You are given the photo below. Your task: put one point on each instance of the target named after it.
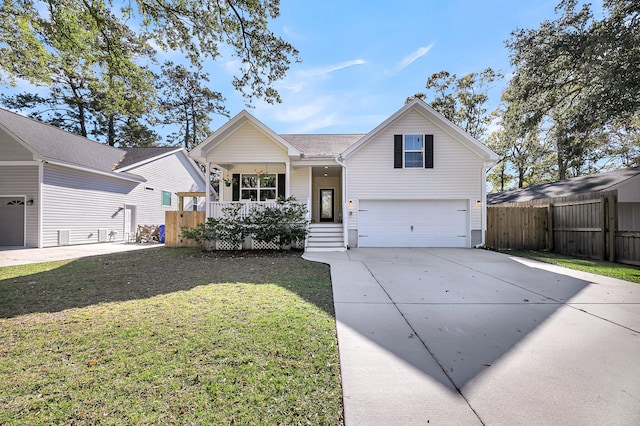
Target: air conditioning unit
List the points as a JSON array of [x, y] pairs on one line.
[[63, 237], [103, 235]]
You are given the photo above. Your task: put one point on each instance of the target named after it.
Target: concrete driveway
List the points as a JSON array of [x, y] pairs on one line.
[[464, 337]]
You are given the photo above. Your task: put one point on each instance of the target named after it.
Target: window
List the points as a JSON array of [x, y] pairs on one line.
[[413, 151], [194, 204], [254, 187], [166, 198]]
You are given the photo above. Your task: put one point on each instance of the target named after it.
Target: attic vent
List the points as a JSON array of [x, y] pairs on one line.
[[63, 237], [103, 235]]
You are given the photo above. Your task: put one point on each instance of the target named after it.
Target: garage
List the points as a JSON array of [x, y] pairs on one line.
[[12, 221], [413, 223]]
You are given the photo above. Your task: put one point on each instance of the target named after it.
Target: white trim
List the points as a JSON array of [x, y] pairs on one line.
[[287, 179], [428, 112], [114, 175], [40, 220], [151, 159], [207, 192], [199, 153]]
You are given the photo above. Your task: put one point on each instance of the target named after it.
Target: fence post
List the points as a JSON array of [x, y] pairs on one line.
[[550, 244], [612, 225], [603, 227]]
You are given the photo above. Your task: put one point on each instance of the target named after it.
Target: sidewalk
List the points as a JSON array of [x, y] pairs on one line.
[[11, 256]]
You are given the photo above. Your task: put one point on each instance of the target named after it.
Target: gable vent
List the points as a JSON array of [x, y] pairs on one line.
[[63, 237]]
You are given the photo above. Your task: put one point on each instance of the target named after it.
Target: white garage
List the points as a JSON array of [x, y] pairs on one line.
[[413, 223]]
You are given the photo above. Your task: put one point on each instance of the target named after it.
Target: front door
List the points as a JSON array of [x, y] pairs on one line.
[[130, 223], [326, 205]]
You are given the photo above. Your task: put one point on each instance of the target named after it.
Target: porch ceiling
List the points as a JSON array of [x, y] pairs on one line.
[[330, 171]]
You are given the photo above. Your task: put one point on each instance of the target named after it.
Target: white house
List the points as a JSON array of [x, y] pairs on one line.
[[416, 180], [57, 188]]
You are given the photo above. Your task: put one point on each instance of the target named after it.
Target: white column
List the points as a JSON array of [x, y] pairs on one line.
[[287, 179], [207, 190]]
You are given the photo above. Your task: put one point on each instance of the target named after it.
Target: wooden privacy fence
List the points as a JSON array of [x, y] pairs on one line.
[[581, 225], [175, 221]]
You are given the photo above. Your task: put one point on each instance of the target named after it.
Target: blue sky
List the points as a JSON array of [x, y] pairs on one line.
[[362, 59]]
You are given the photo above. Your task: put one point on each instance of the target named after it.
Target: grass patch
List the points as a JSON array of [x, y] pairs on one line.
[[164, 336], [600, 267]]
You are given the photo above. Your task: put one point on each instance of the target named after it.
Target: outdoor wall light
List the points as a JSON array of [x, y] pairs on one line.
[[478, 203], [30, 202]]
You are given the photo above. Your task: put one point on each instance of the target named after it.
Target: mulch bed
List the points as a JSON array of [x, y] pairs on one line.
[[248, 254]]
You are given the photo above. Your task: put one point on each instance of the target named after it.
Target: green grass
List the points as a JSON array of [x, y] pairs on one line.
[[600, 267], [164, 336]]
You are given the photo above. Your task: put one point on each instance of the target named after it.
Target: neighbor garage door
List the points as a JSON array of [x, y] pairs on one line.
[[413, 223]]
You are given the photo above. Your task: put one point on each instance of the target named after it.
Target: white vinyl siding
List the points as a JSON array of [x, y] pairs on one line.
[[300, 183], [457, 172], [246, 145], [82, 203], [173, 174], [23, 181]]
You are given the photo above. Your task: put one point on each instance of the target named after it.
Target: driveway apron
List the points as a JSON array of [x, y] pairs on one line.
[[465, 336]]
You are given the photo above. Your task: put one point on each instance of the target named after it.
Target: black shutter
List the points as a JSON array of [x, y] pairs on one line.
[[281, 185], [428, 151], [397, 151], [236, 187]]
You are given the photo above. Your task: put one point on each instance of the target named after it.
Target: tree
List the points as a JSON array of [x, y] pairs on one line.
[[462, 100], [200, 29], [95, 87], [186, 103], [576, 74]]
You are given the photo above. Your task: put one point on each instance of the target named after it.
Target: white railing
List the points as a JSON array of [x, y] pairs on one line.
[[217, 208]]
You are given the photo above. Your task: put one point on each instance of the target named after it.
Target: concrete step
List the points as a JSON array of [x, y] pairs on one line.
[[325, 235]]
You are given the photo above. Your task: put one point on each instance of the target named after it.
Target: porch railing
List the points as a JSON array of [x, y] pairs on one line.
[[216, 207]]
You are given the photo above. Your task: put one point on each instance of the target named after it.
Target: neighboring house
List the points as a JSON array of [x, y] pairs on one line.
[[416, 180], [57, 188], [625, 181]]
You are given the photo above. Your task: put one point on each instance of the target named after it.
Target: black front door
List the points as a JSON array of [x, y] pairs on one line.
[[326, 205]]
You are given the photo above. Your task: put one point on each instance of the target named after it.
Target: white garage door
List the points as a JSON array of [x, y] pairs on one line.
[[413, 223], [12, 221]]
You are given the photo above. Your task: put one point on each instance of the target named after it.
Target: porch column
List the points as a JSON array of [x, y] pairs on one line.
[[287, 179], [207, 191]]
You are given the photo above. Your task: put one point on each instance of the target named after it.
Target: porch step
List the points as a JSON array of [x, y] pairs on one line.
[[325, 237]]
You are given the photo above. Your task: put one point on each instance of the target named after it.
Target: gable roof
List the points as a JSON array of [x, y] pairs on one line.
[[427, 111], [137, 155], [592, 183], [50, 143], [322, 145], [199, 152]]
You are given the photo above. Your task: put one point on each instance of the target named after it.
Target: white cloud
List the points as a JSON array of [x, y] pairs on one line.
[[409, 59], [321, 71]]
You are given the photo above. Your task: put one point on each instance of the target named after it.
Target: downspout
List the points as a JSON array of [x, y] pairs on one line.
[[40, 203], [345, 197]]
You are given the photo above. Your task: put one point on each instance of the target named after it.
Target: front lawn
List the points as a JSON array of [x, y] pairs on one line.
[[600, 267], [167, 336]]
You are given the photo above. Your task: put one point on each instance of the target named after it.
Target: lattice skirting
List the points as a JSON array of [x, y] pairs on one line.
[[227, 246], [261, 245]]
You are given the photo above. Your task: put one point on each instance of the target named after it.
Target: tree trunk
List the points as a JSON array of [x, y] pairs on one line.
[[111, 135]]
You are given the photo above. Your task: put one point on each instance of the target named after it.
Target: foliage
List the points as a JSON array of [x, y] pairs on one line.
[[462, 100], [185, 102], [168, 336], [575, 75], [93, 60], [282, 224]]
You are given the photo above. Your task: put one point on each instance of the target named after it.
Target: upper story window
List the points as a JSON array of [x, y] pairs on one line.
[[413, 151]]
